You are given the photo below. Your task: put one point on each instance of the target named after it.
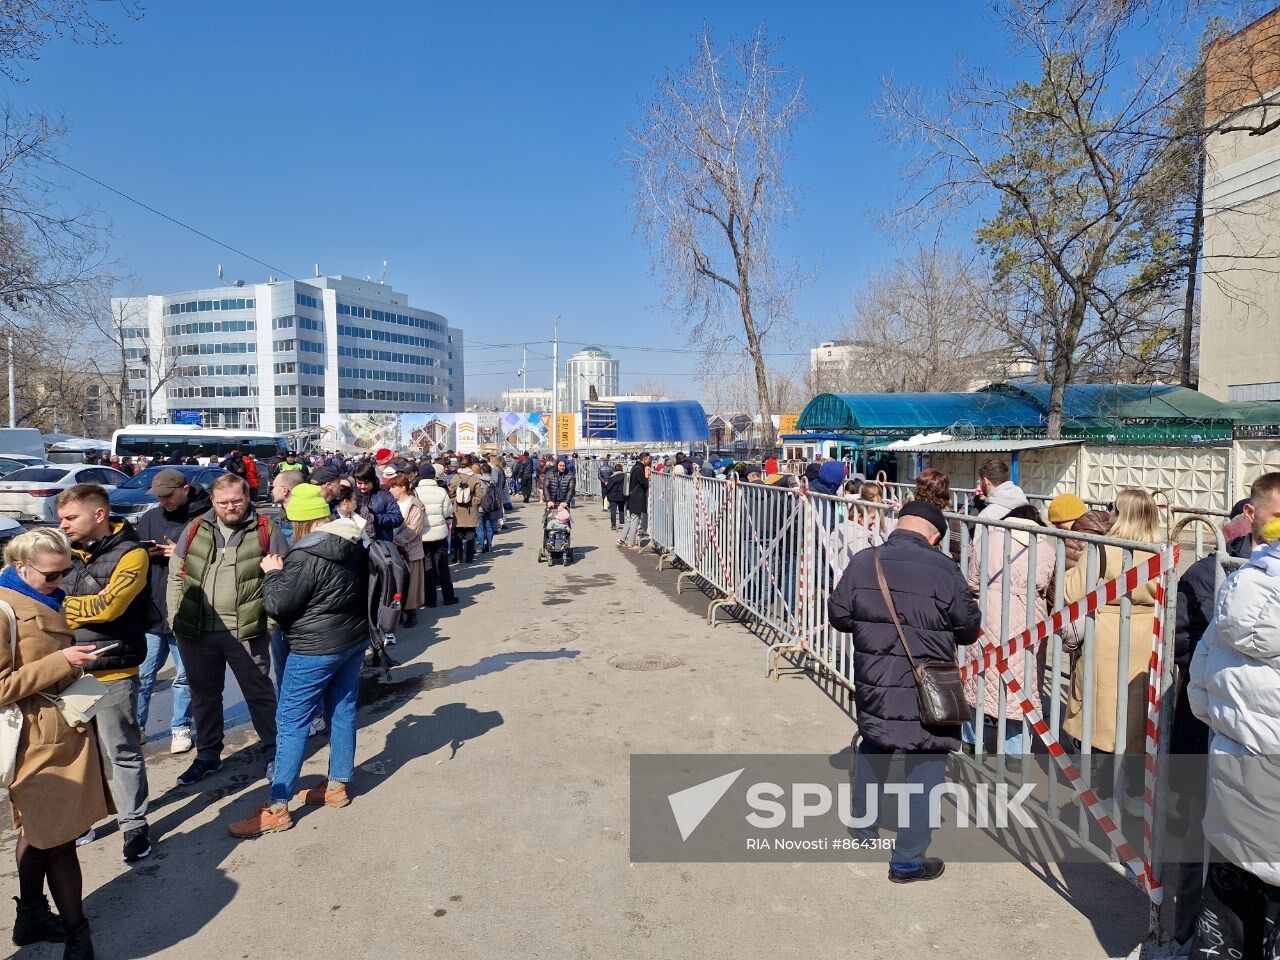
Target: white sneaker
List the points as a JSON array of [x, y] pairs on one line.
[[389, 640], [1135, 807], [271, 769], [88, 836], [317, 726], [181, 741]]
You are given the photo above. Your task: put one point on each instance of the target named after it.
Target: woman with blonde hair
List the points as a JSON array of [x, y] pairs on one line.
[[1137, 518], [58, 790]]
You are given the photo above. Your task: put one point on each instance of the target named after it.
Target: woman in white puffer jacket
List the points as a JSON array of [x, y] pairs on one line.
[[1235, 689], [437, 509]]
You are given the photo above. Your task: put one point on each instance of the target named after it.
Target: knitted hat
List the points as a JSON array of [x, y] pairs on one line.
[[925, 511], [1066, 507], [306, 503]]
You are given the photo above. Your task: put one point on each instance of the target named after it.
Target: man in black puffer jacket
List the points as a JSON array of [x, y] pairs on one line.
[[937, 612], [319, 594]]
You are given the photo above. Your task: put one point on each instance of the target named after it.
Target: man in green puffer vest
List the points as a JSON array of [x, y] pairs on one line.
[[217, 614]]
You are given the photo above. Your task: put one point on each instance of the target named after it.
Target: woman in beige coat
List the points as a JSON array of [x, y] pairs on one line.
[[1137, 518], [408, 537], [1020, 576], [58, 790]]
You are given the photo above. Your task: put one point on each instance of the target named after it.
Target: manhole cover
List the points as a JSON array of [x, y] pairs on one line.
[[650, 661]]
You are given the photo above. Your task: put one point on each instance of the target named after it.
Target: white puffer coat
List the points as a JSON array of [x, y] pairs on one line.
[[438, 509], [1235, 689]]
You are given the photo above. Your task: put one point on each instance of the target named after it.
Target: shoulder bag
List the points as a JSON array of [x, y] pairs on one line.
[[10, 714], [938, 688]]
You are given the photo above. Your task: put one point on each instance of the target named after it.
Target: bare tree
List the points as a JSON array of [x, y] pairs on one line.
[[1071, 160], [26, 26], [927, 322], [706, 157]]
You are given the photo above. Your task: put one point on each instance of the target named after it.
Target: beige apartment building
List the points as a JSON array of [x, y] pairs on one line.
[[1240, 301]]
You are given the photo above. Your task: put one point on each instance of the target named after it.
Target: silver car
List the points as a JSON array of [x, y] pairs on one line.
[[28, 494]]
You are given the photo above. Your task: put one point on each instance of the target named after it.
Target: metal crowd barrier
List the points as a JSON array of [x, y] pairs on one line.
[[1058, 610]]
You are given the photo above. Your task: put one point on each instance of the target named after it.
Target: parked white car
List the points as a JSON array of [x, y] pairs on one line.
[[28, 494]]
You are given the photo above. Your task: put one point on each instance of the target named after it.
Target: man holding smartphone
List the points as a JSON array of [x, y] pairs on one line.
[[109, 603]]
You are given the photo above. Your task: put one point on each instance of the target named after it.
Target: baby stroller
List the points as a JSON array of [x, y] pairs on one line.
[[557, 528]]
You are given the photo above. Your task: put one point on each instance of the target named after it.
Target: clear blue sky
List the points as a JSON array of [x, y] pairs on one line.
[[474, 147]]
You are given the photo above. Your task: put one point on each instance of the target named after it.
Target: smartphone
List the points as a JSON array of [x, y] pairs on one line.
[[149, 544], [105, 648]]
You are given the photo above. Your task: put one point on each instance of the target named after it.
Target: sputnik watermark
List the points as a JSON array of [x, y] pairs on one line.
[[991, 805]]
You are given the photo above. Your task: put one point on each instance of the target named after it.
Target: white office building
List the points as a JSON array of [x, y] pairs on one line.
[[528, 400], [587, 368], [282, 354]]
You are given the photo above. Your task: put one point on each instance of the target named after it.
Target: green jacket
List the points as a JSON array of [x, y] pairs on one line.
[[215, 580]]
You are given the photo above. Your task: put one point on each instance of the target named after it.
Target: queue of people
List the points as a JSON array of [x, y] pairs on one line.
[[92, 610]]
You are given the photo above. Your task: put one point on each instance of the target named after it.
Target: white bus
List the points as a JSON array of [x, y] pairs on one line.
[[168, 440]]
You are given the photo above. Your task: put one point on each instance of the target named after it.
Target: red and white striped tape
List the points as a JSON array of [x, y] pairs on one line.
[[992, 653], [1139, 866]]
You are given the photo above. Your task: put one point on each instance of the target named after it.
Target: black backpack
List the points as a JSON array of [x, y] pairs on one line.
[[492, 499], [388, 583]]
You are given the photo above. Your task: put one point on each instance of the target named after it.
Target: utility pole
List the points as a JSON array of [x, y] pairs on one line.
[[555, 392], [13, 386], [146, 361], [524, 365]]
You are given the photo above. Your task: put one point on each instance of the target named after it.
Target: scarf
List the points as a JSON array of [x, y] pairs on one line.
[[9, 578]]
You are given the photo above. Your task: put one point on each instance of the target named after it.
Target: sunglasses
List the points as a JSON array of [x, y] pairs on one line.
[[50, 576]]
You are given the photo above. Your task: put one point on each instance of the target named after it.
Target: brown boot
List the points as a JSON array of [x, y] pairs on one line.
[[326, 795], [263, 820]]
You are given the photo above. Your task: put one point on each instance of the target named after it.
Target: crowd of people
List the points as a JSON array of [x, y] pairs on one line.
[[284, 598], [905, 601], [94, 609]]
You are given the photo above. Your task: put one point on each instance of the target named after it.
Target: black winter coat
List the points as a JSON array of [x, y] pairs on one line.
[[638, 496], [321, 596], [937, 612], [160, 525], [1196, 593], [615, 488]]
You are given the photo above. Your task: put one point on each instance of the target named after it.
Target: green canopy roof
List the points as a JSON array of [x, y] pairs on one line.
[[906, 413], [1123, 401]]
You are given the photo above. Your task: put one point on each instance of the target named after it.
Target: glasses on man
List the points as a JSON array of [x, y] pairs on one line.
[[229, 504]]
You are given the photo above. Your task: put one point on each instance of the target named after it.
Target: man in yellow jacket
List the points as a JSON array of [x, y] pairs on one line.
[[108, 604]]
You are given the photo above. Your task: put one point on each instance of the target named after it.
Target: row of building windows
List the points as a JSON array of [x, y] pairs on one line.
[[305, 300], [218, 370], [287, 419], [210, 326], [304, 323], [363, 333], [133, 333], [391, 376], [186, 393], [299, 389], [314, 369], [367, 313], [395, 396], [310, 346], [200, 349], [386, 356], [200, 306]]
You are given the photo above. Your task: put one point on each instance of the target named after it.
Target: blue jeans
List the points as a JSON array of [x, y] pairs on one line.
[[1012, 735], [925, 769], [160, 646], [485, 529], [331, 679]]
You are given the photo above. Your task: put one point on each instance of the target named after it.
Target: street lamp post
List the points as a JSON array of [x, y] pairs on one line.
[[146, 361], [13, 386]]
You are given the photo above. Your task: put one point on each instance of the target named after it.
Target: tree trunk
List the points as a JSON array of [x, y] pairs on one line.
[[757, 360], [1193, 266]]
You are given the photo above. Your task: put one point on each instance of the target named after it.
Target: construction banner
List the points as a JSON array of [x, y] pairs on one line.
[[565, 430]]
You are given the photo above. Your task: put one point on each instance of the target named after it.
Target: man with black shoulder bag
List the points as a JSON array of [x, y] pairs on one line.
[[907, 607]]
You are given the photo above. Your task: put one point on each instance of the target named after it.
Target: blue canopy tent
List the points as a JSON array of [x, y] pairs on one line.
[[665, 421]]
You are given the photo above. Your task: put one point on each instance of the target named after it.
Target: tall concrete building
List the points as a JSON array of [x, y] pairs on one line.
[[1240, 298], [280, 355], [528, 400], [590, 367]]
